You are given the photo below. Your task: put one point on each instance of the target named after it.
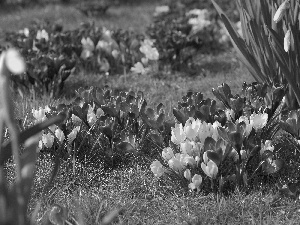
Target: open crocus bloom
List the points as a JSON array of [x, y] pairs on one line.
[[210, 169], [60, 135], [157, 168], [177, 163], [178, 134], [259, 120], [167, 154], [196, 182], [47, 140], [191, 128]]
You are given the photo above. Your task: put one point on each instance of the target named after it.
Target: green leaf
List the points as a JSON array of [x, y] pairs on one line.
[[180, 116], [241, 47], [209, 144], [272, 167], [126, 146], [28, 161], [157, 138]]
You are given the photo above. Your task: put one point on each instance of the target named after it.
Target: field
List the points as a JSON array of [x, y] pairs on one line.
[[89, 192]]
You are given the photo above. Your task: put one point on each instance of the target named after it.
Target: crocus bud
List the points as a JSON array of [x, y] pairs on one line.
[[187, 174], [281, 10], [167, 153], [287, 41]]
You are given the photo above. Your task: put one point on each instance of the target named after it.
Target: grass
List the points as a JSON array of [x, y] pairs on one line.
[[134, 17], [90, 193]]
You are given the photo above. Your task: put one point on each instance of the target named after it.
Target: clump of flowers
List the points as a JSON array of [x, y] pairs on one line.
[[150, 55], [190, 139], [199, 20]]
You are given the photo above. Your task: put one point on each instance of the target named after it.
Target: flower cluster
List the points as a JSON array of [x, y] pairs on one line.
[[190, 139], [199, 20], [149, 52]]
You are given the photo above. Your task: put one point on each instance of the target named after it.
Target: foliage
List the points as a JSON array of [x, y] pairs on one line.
[[269, 44], [182, 30], [52, 54]]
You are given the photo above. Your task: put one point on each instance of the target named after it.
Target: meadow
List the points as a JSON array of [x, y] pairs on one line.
[[88, 192]]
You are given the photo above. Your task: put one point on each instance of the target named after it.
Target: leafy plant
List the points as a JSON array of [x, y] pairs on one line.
[[268, 47]]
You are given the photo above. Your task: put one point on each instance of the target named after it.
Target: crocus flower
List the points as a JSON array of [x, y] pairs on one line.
[[266, 146], [88, 48], [230, 115], [161, 9], [210, 169], [42, 34], [191, 128], [75, 119], [25, 31], [187, 174], [248, 123], [176, 163], [167, 154], [188, 160], [73, 134], [186, 147], [91, 116], [39, 114], [281, 10], [47, 140], [196, 182], [150, 52], [259, 120], [60, 135], [178, 135], [138, 68], [157, 168], [287, 41]]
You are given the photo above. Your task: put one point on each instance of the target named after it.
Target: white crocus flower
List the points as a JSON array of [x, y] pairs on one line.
[[259, 120], [210, 169], [47, 140], [187, 174], [157, 168], [196, 182], [73, 134], [75, 119], [176, 163], [178, 135], [42, 34], [161, 9], [186, 147], [266, 146], [88, 48], [39, 114], [60, 135], [191, 128], [167, 154], [138, 68]]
